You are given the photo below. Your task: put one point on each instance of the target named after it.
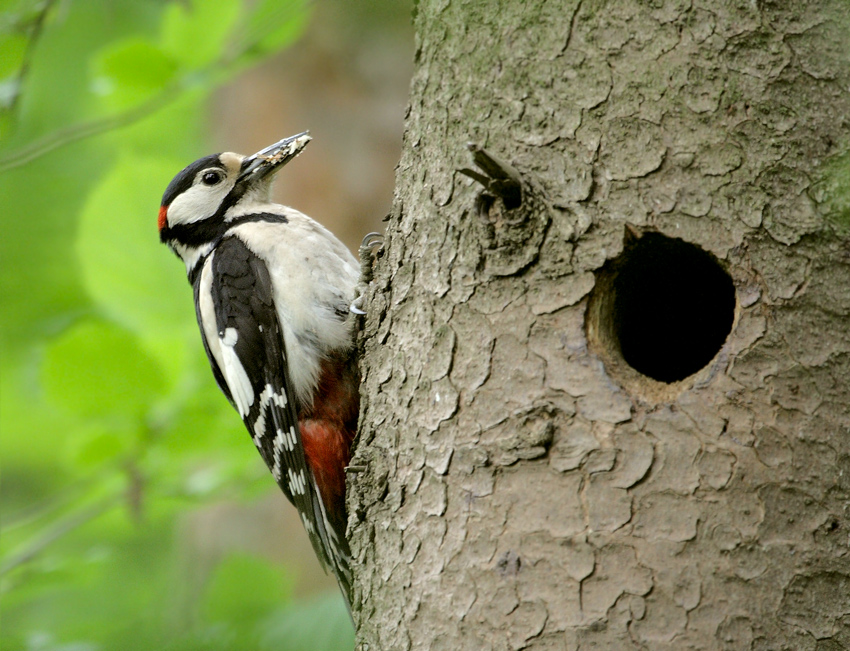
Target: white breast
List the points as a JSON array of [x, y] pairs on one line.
[[314, 277]]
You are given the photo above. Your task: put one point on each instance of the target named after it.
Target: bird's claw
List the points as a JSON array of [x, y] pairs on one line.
[[367, 248], [370, 241]]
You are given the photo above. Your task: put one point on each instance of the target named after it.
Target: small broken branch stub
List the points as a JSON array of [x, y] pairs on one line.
[[499, 179]]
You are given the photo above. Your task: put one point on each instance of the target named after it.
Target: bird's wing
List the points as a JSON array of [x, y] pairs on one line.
[[244, 342]]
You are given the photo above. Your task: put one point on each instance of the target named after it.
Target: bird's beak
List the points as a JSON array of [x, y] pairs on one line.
[[272, 158]]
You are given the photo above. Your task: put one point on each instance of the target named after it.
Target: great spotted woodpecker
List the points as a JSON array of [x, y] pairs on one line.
[[274, 297]]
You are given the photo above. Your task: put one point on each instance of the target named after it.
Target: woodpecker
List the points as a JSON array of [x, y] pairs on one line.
[[274, 298]]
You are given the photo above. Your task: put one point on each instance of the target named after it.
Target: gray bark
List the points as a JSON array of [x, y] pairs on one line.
[[521, 485]]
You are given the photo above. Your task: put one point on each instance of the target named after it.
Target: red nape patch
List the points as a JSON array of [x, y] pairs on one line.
[[163, 217]]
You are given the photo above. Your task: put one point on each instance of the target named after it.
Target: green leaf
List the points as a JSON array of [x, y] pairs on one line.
[[127, 271], [22, 412], [98, 446], [12, 50], [244, 590], [274, 24], [96, 369], [195, 33], [322, 624], [132, 70]]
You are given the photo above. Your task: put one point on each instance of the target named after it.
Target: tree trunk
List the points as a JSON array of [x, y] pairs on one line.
[[614, 416]]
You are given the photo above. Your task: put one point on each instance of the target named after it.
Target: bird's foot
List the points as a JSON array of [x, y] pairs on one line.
[[371, 247]]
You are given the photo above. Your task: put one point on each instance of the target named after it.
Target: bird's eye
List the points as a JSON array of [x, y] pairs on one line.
[[211, 178]]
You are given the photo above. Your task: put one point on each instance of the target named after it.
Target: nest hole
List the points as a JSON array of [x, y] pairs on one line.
[[664, 306]]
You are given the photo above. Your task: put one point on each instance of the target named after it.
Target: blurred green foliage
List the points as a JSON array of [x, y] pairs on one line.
[[110, 424]]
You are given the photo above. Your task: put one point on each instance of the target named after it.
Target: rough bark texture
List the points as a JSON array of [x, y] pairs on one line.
[[520, 485]]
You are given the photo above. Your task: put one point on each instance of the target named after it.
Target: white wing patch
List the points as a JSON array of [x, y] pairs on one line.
[[267, 397], [277, 444], [282, 440], [285, 440], [234, 373], [307, 524], [221, 347], [231, 336], [297, 482]]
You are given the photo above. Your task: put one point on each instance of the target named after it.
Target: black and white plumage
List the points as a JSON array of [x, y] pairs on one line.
[[272, 293]]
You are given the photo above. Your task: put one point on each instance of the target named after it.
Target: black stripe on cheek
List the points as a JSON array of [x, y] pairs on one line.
[[205, 231], [194, 234]]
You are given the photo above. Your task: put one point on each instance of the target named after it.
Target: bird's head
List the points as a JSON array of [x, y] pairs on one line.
[[204, 198]]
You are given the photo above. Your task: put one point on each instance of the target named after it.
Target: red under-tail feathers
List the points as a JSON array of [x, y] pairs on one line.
[[328, 428]]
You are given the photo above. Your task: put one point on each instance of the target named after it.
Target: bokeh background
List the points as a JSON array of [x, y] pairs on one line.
[[134, 511]]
